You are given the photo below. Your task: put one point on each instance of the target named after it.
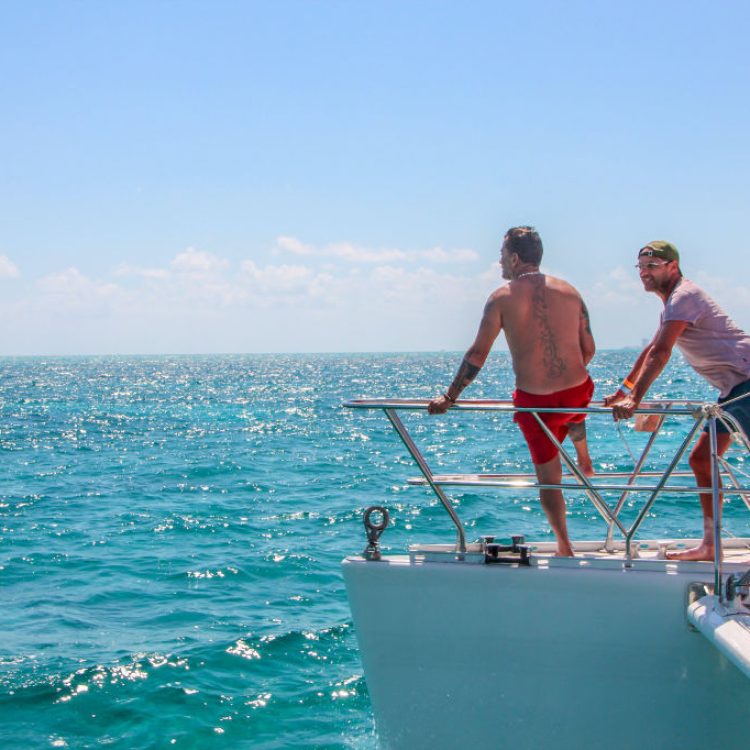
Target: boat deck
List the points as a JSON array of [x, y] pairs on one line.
[[736, 554]]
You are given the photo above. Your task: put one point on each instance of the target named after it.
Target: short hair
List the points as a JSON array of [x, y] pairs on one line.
[[526, 243]]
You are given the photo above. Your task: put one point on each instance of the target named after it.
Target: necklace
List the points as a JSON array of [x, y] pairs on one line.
[[529, 273]]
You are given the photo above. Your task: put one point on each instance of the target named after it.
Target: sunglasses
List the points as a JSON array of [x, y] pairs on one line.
[[651, 265]]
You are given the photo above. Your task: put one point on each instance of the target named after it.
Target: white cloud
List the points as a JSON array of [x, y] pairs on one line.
[[460, 255], [197, 262], [71, 291], [125, 269], [72, 282], [410, 299], [293, 246], [8, 269], [618, 286], [190, 262], [287, 284], [352, 253], [622, 313], [282, 277]]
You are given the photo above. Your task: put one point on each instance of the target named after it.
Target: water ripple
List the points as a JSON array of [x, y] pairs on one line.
[[171, 530]]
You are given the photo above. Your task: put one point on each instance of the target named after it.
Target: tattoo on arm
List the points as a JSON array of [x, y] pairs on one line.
[[587, 320], [466, 373]]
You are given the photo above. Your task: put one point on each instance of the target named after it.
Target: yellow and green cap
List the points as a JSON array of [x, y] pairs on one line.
[[660, 249]]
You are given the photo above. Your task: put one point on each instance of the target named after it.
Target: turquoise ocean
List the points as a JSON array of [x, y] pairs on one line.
[[171, 532]]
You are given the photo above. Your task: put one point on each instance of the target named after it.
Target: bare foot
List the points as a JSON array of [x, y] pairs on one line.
[[702, 552], [564, 551]]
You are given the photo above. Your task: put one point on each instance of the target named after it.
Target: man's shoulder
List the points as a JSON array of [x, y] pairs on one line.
[[688, 302], [686, 286], [687, 289], [562, 285], [500, 292]]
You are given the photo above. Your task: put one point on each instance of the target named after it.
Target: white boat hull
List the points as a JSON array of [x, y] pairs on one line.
[[725, 627], [566, 653]]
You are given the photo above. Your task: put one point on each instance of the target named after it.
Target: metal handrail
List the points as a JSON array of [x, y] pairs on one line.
[[674, 407], [485, 480], [701, 413]]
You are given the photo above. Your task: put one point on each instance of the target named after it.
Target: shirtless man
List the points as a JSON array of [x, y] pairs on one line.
[[547, 328], [712, 344]]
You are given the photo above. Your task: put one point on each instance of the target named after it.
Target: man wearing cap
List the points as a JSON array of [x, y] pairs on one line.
[[714, 346], [547, 328]]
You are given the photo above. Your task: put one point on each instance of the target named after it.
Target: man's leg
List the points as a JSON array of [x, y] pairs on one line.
[[700, 463], [577, 432], [553, 504]]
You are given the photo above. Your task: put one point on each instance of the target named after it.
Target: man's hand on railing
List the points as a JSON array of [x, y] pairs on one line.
[[614, 398], [439, 405], [623, 405]]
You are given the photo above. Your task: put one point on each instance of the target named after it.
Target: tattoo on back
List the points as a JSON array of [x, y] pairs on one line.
[[554, 364], [466, 373]]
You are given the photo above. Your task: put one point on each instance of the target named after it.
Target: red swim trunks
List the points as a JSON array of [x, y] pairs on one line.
[[540, 446]]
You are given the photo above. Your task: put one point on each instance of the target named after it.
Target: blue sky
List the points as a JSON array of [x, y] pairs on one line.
[[337, 176]]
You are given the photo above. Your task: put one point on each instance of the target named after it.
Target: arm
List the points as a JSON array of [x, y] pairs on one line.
[[652, 361], [475, 357], [588, 347], [620, 394]]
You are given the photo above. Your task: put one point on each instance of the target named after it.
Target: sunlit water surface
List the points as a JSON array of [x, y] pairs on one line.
[[171, 531]]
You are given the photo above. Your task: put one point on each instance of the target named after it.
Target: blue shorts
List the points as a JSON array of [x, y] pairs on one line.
[[740, 410]]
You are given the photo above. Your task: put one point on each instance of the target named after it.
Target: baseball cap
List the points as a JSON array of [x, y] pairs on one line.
[[660, 249]]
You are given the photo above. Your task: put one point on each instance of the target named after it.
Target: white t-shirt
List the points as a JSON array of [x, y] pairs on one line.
[[712, 343]]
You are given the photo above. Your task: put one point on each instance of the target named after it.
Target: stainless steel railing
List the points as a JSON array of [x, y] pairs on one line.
[[700, 414]]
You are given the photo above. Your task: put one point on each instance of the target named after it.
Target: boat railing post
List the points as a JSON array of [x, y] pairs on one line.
[[596, 499], [716, 501], [608, 542], [729, 471], [416, 454], [738, 435], [699, 420]]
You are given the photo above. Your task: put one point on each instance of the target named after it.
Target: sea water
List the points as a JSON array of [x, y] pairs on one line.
[[171, 532]]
